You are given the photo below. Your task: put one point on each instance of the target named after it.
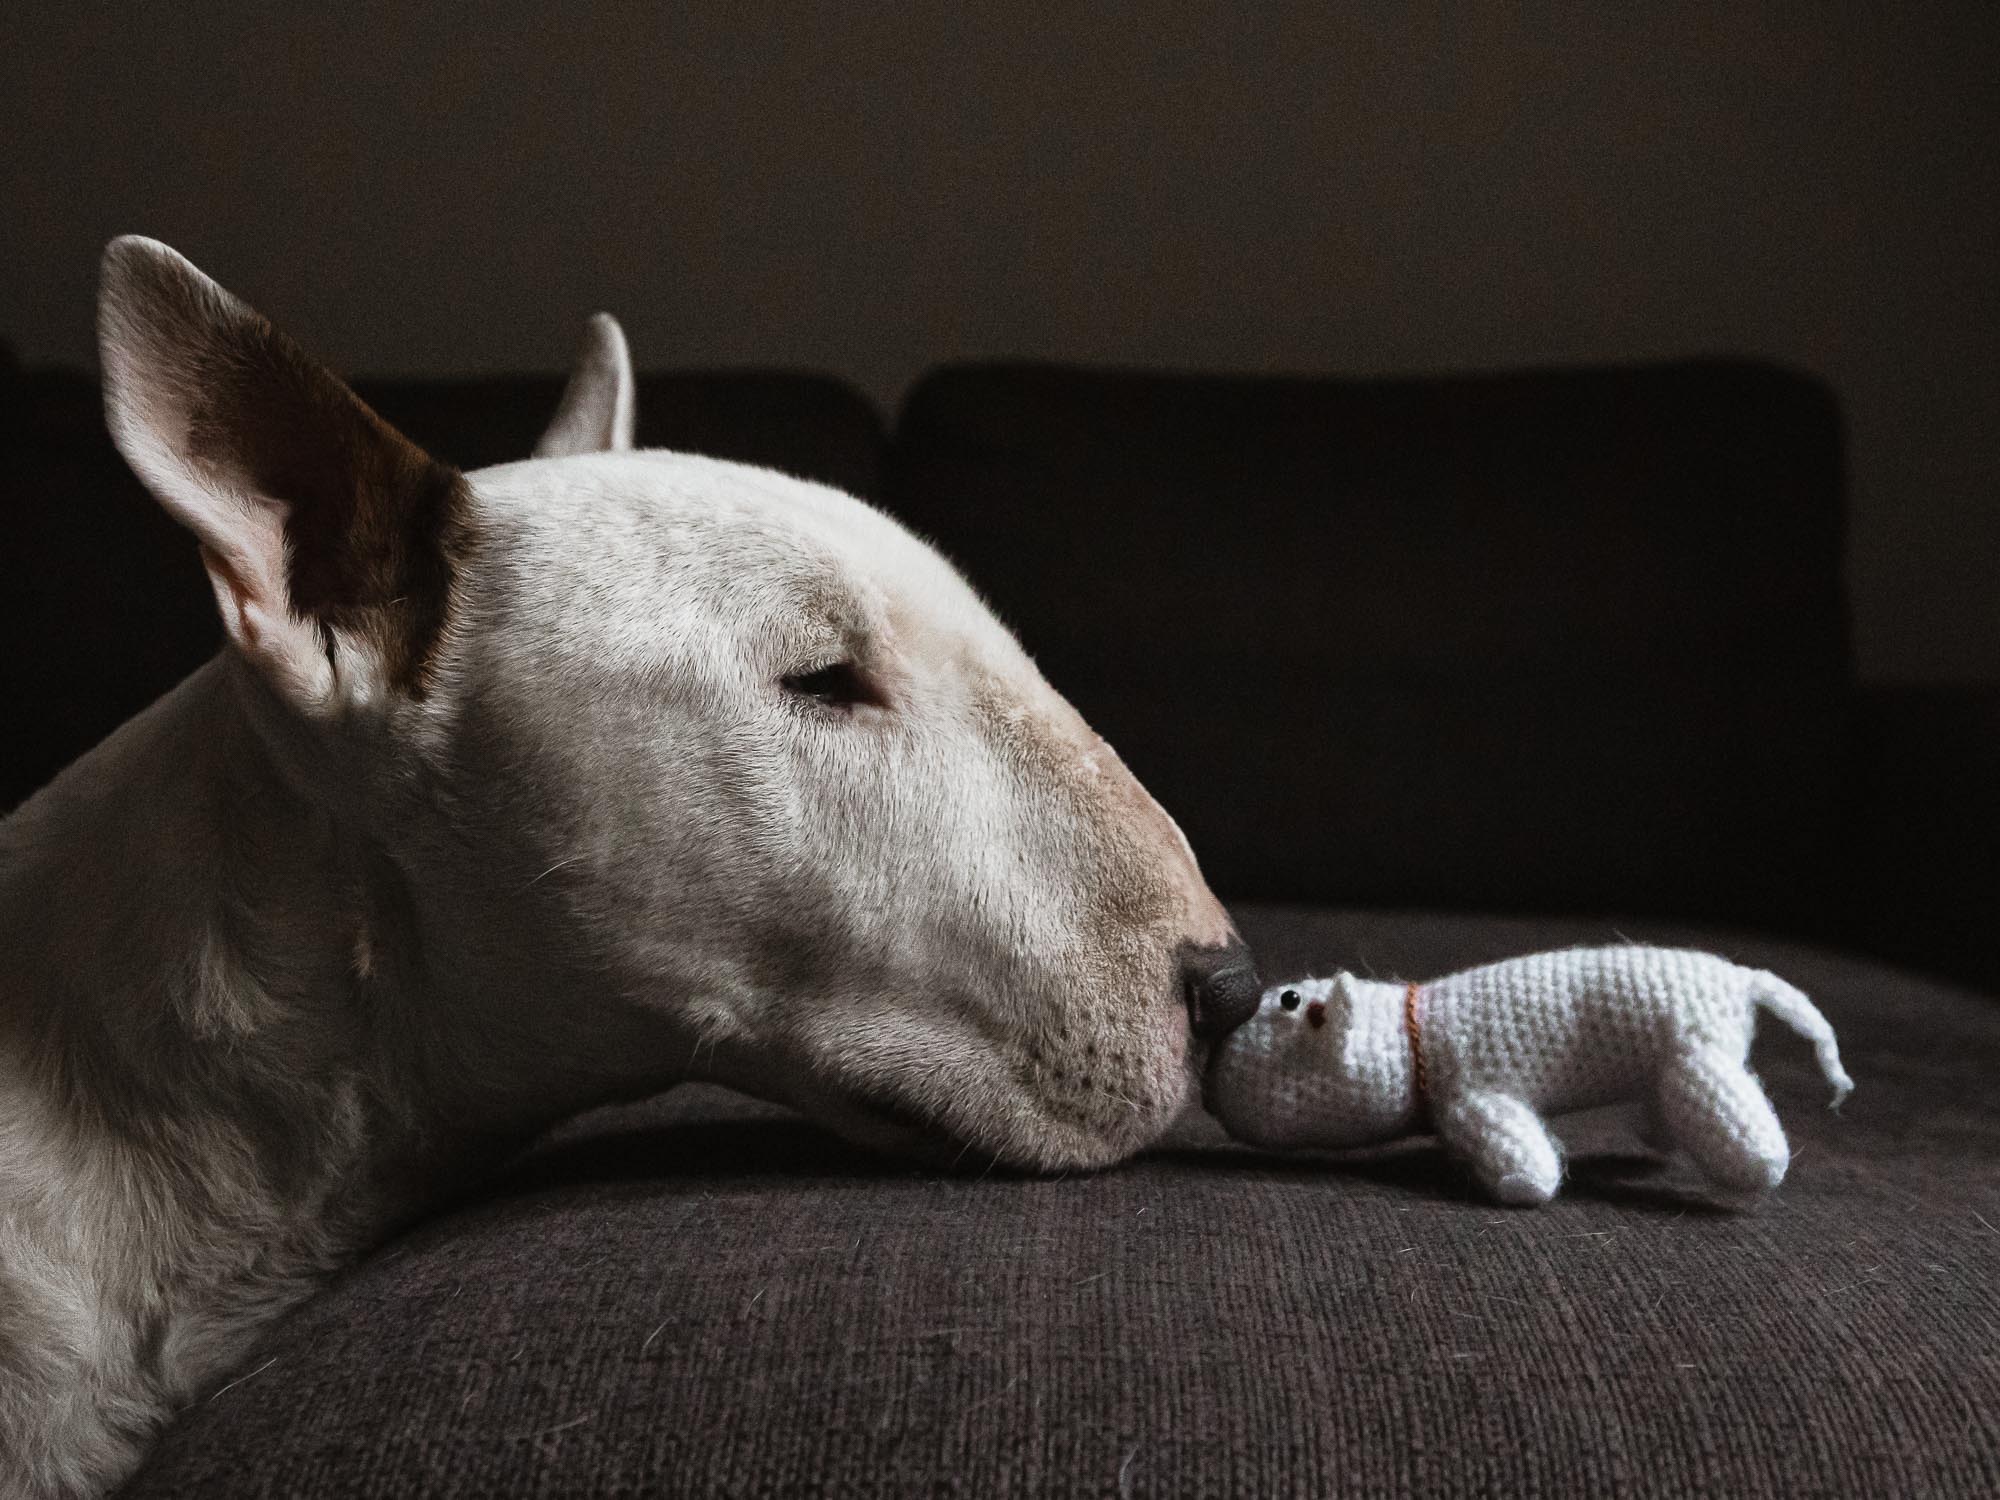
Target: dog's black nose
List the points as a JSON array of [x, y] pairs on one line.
[[1222, 988]]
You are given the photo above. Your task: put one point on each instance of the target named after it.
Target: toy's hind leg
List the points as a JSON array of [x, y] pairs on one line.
[[1718, 1114], [1509, 1147]]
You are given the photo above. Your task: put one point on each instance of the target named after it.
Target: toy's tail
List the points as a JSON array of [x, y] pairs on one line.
[[1792, 1007]]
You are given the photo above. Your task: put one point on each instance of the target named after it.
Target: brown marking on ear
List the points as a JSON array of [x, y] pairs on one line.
[[374, 525]]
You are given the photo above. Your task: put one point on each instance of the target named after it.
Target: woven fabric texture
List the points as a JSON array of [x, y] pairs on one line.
[[702, 1296]]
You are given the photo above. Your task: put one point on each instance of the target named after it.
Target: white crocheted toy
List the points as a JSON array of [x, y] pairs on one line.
[[1481, 1055]]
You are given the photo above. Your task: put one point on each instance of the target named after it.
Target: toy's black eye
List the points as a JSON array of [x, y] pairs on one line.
[[1289, 999], [838, 684]]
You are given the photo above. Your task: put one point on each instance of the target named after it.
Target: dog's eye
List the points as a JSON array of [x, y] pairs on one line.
[[838, 684]]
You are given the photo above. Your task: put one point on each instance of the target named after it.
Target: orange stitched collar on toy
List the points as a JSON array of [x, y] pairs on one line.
[[1418, 1072]]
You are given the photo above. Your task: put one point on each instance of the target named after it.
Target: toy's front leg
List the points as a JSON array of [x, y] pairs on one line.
[[1511, 1151]]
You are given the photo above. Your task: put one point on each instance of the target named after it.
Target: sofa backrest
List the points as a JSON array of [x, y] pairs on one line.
[[1556, 642], [1550, 642]]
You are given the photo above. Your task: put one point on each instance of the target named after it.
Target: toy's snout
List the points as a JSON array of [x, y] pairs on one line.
[[1288, 999]]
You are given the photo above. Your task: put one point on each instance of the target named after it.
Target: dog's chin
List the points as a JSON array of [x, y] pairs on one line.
[[1038, 1140], [895, 1129], [956, 1108]]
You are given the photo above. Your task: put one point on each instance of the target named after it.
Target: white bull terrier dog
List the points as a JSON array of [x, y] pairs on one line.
[[511, 793], [1481, 1055]]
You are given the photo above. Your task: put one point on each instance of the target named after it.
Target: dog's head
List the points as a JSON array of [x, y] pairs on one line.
[[645, 766]]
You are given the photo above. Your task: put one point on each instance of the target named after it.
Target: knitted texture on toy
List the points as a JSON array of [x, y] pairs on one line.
[[1332, 1062]]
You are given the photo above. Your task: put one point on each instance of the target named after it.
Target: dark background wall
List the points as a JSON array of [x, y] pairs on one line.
[[874, 188]]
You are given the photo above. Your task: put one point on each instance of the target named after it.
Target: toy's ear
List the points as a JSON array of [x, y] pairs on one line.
[[1340, 996], [599, 405], [327, 535]]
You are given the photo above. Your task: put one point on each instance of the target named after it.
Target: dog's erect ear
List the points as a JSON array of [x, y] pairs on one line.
[[327, 535], [598, 405]]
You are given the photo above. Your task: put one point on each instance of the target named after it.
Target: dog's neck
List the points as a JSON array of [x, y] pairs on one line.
[[209, 1020]]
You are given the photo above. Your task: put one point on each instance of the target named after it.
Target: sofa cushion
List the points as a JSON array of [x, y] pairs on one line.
[[702, 1296], [1928, 845], [114, 609], [1546, 642]]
